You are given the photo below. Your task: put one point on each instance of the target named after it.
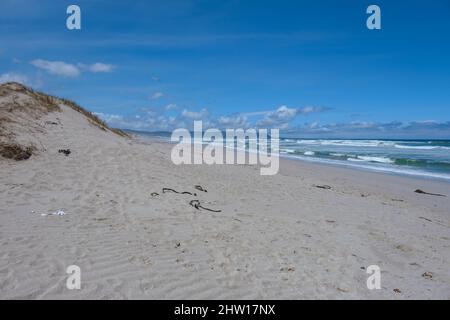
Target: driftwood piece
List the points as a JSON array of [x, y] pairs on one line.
[[326, 187], [428, 193], [164, 190], [65, 151], [196, 204], [200, 188]]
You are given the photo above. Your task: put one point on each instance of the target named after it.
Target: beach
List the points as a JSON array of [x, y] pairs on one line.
[[308, 232], [216, 156]]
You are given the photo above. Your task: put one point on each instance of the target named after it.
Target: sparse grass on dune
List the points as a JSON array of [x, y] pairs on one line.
[[45, 103], [49, 103], [23, 107], [92, 117]]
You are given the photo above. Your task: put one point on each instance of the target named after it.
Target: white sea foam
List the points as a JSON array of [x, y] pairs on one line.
[[308, 142], [401, 146], [337, 154], [287, 150], [355, 160], [309, 153], [360, 164], [375, 159], [348, 143]]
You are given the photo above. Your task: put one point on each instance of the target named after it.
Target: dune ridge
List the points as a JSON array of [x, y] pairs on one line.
[[22, 108]]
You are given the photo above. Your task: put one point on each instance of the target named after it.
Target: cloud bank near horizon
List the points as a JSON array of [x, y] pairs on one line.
[[281, 118]]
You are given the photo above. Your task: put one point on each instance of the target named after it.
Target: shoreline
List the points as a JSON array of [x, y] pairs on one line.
[[427, 176], [364, 177], [417, 175]]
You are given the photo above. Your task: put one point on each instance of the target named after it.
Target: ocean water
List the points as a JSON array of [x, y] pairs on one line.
[[422, 158], [426, 158]]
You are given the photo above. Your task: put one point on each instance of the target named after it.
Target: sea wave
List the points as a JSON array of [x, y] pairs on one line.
[[387, 168], [418, 145], [401, 146], [334, 154], [375, 159], [348, 143]]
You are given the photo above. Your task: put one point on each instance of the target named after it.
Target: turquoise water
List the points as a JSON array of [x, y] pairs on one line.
[[428, 158]]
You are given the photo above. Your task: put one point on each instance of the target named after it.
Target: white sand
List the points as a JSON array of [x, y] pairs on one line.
[[277, 237]]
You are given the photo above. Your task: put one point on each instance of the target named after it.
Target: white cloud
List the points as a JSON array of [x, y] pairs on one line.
[[154, 120], [283, 115], [59, 68], [194, 115], [14, 77], [368, 129], [101, 67], [171, 106], [233, 121], [151, 119], [311, 109], [64, 69], [279, 118], [161, 120], [146, 122], [97, 67], [157, 95]]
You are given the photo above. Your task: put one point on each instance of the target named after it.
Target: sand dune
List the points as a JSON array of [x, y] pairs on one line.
[[276, 237]]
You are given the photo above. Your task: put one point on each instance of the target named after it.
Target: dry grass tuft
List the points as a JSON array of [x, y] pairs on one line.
[[46, 103], [49, 102], [93, 118], [15, 151], [120, 132]]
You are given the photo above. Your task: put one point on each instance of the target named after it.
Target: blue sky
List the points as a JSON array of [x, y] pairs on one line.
[[311, 68]]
